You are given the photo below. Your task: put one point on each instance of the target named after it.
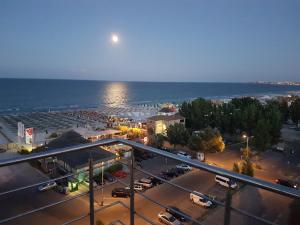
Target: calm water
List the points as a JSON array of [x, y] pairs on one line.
[[23, 95]]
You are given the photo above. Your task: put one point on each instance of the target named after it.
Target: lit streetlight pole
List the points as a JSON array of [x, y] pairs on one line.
[[247, 144], [102, 197]]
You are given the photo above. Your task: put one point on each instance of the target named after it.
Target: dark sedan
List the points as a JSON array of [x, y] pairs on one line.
[[177, 213]]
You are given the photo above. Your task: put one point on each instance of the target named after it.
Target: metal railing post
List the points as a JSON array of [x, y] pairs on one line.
[[132, 210], [227, 210], [91, 192]]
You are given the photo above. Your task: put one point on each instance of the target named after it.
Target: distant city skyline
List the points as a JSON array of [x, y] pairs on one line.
[[170, 41]]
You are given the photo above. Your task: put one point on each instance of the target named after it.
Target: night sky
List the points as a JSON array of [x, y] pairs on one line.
[[159, 40]]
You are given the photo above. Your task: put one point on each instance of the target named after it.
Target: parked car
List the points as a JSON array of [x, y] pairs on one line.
[[180, 171], [98, 180], [286, 183], [136, 187], [200, 199], [169, 174], [63, 189], [120, 174], [47, 186], [175, 171], [163, 176], [87, 182], [184, 155], [120, 192], [168, 218], [184, 166], [144, 182], [155, 181], [174, 212], [226, 182], [109, 177]]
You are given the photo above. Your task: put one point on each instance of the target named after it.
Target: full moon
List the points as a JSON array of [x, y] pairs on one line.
[[115, 38]]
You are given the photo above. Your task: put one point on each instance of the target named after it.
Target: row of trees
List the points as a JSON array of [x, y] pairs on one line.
[[207, 140], [239, 115]]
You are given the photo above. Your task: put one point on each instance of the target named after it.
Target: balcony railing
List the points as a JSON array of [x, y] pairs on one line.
[[228, 208]]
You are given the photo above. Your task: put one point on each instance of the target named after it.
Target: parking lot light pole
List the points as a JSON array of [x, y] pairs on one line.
[[91, 191], [102, 195], [132, 210]]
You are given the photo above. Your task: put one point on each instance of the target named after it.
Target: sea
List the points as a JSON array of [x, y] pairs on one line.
[[38, 95]]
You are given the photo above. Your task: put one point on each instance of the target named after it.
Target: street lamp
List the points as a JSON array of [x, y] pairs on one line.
[[247, 144], [102, 197]]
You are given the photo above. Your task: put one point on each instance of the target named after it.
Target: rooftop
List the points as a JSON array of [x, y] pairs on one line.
[[166, 117]]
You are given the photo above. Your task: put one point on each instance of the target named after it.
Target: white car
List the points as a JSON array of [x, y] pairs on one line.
[[144, 182], [136, 187], [47, 186], [200, 199], [86, 182], [167, 218], [184, 167], [184, 155]]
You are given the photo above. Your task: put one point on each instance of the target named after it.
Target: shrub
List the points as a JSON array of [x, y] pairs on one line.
[[236, 168], [114, 168]]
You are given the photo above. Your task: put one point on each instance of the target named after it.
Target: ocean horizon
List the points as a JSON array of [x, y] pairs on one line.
[[38, 95]]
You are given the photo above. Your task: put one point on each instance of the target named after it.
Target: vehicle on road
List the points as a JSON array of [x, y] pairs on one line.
[[120, 192], [136, 187], [177, 213], [144, 182], [109, 177], [286, 183], [167, 218], [184, 166], [226, 182], [47, 186], [184, 155], [200, 199]]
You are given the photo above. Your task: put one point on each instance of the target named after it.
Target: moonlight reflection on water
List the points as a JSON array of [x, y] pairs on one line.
[[116, 94]]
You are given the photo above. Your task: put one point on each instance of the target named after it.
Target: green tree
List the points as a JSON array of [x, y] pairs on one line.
[[211, 140], [295, 110], [247, 168], [197, 113], [194, 142], [177, 134], [262, 138], [156, 140], [236, 168]]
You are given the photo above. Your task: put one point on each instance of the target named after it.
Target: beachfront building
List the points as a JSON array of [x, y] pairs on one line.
[[160, 123], [77, 162], [95, 135]]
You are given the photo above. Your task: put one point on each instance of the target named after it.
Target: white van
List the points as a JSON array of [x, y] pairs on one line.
[[202, 201], [226, 182]]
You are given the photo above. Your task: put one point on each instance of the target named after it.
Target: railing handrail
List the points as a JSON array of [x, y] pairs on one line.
[[194, 163]]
